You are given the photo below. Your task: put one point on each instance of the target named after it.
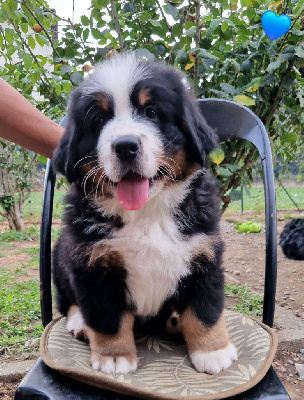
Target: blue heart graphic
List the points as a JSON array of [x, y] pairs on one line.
[[275, 26]]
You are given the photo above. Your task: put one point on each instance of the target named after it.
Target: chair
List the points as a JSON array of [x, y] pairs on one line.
[[232, 121]]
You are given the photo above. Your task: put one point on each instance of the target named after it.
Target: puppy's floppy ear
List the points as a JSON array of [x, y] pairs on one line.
[[202, 137], [65, 153]]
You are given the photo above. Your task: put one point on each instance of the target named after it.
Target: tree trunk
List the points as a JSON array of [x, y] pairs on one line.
[[14, 218]]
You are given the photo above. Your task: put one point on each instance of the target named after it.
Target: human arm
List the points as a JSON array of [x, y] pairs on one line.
[[23, 124]]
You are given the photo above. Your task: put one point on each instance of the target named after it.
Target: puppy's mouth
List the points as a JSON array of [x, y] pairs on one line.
[[132, 191]]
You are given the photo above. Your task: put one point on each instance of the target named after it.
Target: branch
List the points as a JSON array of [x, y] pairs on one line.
[[117, 26], [68, 21], [197, 36], [24, 44], [165, 20], [42, 27], [301, 11], [277, 98]]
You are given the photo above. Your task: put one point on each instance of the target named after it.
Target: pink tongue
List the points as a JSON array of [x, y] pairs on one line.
[[132, 192]]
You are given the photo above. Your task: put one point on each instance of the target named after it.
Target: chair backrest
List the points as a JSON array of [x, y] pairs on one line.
[[231, 121]]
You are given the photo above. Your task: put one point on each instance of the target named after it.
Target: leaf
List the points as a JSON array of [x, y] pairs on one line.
[[32, 42], [96, 33], [247, 66], [85, 20], [289, 138], [66, 68], [227, 88], [224, 26], [42, 159], [223, 172], [24, 27], [273, 66], [76, 78], [191, 31], [205, 54], [27, 60], [58, 89], [253, 85], [300, 51], [85, 34], [235, 195], [267, 80], [217, 156], [173, 11], [287, 53], [145, 53], [244, 100], [129, 7], [215, 23], [188, 66], [154, 23]]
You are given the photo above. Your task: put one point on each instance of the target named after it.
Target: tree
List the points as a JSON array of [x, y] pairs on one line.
[[17, 168], [220, 45]]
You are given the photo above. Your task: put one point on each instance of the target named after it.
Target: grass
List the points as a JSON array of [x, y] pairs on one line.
[[33, 205], [255, 201], [246, 302], [19, 313]]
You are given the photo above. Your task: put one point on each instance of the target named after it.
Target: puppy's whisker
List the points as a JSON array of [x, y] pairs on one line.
[[168, 168], [102, 177], [169, 158], [86, 177], [84, 159], [170, 142]]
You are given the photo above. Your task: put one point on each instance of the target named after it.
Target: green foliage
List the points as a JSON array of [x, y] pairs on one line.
[[247, 303], [220, 46], [31, 233], [19, 312], [247, 227]]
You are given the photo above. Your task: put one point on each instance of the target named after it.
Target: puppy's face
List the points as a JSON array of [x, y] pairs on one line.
[[132, 129]]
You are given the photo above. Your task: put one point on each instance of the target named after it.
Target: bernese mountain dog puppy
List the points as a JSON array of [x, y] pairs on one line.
[[292, 239], [141, 226]]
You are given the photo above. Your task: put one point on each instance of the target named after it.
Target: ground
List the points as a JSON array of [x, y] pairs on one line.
[[244, 263]]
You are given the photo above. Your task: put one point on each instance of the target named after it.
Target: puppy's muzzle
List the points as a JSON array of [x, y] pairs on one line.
[[126, 148]]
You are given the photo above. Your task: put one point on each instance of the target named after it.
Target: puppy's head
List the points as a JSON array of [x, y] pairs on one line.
[[132, 126]]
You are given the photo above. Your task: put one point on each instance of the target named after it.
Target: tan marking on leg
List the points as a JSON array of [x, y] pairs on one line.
[[72, 310], [144, 96], [114, 353], [201, 338]]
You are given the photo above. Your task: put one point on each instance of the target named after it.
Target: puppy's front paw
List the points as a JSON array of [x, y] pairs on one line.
[[75, 323], [214, 362], [111, 365]]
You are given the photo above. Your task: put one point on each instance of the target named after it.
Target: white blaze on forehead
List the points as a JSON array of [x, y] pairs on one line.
[[117, 77]]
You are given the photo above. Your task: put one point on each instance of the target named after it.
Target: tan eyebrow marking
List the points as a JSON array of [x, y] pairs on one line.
[[144, 96]]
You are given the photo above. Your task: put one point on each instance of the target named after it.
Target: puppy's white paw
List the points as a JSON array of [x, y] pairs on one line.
[[112, 365], [214, 362], [76, 325]]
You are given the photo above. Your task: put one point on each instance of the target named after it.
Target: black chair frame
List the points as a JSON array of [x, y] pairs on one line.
[[232, 121]]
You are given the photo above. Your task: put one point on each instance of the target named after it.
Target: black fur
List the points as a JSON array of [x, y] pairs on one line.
[[292, 239], [100, 291]]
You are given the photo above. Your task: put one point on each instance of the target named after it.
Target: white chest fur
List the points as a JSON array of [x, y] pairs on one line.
[[155, 257], [154, 252]]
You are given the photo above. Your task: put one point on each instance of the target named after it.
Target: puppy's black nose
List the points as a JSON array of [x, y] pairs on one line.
[[126, 148]]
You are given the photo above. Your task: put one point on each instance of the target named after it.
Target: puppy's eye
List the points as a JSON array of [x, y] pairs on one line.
[[151, 112]]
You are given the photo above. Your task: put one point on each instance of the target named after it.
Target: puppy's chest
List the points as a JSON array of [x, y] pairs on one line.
[[155, 257]]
